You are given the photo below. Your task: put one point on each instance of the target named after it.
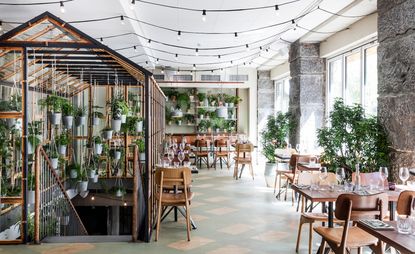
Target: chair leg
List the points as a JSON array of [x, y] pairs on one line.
[[322, 247], [275, 183], [300, 226], [235, 171], [228, 163], [252, 170], [286, 190], [207, 159], [310, 239], [188, 221], [158, 219], [220, 160]]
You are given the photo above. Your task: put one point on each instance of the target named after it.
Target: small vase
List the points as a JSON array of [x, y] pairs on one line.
[[67, 121], [142, 156], [98, 149], [55, 118], [116, 124], [91, 174], [95, 121], [95, 179], [117, 155]]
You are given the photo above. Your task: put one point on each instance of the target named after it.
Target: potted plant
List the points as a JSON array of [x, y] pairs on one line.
[[212, 100], [168, 115], [183, 101], [80, 116], [97, 145], [107, 133], [67, 112], [91, 170], [134, 124], [35, 129], [272, 137], [31, 188], [179, 121], [203, 125], [227, 99], [82, 180], [119, 109], [201, 112], [62, 141], [189, 119], [53, 104], [115, 153], [202, 99], [73, 169], [54, 159], [120, 191], [235, 101], [141, 145], [218, 124], [33, 142], [97, 115]]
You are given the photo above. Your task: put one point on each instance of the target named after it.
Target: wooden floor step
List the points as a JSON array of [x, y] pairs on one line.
[[87, 239]]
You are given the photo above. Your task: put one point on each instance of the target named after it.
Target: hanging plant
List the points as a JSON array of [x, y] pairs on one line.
[[97, 145], [106, 133], [134, 124], [141, 145], [97, 115], [68, 112], [72, 170], [119, 110], [201, 97], [116, 153], [62, 141], [183, 101], [53, 104], [82, 179], [80, 116]]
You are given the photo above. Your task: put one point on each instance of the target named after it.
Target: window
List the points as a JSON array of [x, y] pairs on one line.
[[353, 77], [282, 95]]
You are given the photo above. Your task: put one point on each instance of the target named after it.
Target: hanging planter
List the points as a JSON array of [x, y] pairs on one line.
[[62, 141], [80, 116], [123, 118], [10, 122], [62, 150], [95, 179], [116, 124], [73, 174], [139, 126], [119, 110], [68, 112], [142, 156], [82, 186], [91, 174], [98, 149], [107, 133], [97, 116], [54, 162], [119, 192], [96, 121], [55, 118], [80, 121], [67, 121], [116, 154], [222, 112], [34, 141], [82, 178], [64, 220], [53, 104]]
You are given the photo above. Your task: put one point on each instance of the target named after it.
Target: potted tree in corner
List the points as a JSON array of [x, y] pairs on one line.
[[273, 137], [68, 112]]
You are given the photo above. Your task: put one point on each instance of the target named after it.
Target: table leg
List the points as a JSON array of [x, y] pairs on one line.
[[330, 215], [392, 210], [191, 220]]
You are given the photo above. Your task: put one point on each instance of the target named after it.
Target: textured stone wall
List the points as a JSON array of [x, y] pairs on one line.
[[307, 92], [396, 77], [265, 98]]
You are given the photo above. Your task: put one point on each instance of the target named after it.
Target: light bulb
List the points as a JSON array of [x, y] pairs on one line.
[[197, 52], [194, 66], [277, 10], [148, 42], [132, 4], [125, 203], [135, 48], [62, 7], [122, 20], [157, 61], [204, 15], [162, 71], [146, 63], [179, 33], [219, 56], [247, 47], [176, 57], [93, 198], [178, 71], [1, 25], [236, 34]]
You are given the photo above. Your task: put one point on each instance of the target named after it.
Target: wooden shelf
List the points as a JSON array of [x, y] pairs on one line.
[[11, 200], [10, 115]]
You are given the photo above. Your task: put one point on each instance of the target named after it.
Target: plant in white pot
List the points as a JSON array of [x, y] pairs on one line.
[[33, 142], [31, 188], [80, 116], [54, 158], [115, 153], [106, 133], [141, 145], [98, 146], [73, 169], [53, 103], [97, 115], [62, 142], [273, 137], [82, 178], [68, 113], [119, 110]]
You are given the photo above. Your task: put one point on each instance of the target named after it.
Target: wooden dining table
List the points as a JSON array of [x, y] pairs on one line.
[[405, 244], [327, 196]]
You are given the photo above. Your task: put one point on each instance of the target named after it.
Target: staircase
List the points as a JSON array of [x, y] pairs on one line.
[[54, 213]]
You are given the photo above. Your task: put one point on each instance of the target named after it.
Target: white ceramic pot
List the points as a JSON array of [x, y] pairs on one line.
[[118, 193], [123, 118], [30, 149], [57, 172], [117, 155], [80, 120], [31, 197], [142, 156], [95, 179], [179, 122], [192, 98], [62, 150], [116, 125], [231, 105], [54, 162], [95, 121], [73, 174], [201, 117], [98, 149], [139, 126], [269, 174], [64, 220], [67, 121], [226, 104], [107, 134], [91, 174], [55, 118], [82, 186], [222, 112]]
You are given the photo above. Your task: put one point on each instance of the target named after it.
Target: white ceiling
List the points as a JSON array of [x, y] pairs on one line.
[[183, 20]]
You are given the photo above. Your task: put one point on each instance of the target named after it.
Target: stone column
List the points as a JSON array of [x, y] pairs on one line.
[[307, 92], [265, 99], [396, 78]]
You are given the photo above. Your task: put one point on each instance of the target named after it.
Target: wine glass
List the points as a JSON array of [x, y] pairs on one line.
[[170, 156], [384, 174], [297, 147], [180, 156], [403, 174], [340, 175], [181, 146], [323, 174]]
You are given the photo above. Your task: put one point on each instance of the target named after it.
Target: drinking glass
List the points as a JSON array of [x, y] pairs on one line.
[[323, 174], [176, 164], [403, 174], [404, 224], [170, 156], [340, 175], [297, 147], [289, 147], [384, 174], [181, 146], [312, 160], [180, 156]]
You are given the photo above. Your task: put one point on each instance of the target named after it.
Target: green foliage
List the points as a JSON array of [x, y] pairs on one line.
[[14, 104], [183, 101], [80, 111], [230, 125], [353, 138], [131, 123], [227, 98], [167, 114], [97, 139], [52, 103], [236, 99], [274, 134], [118, 106], [141, 145], [98, 114], [189, 118], [201, 96], [201, 111], [67, 108], [35, 128], [170, 93], [73, 166], [218, 123], [204, 125], [212, 98], [62, 139]]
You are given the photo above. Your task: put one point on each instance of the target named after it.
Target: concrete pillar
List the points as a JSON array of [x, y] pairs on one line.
[[307, 92], [396, 78], [265, 99]]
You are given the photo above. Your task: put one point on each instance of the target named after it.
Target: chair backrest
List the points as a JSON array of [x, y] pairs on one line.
[[357, 207], [373, 178], [221, 143], [295, 159], [404, 202], [244, 148], [201, 143], [179, 177]]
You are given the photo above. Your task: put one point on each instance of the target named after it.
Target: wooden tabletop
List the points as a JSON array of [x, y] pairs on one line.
[[331, 196], [304, 166], [404, 243]]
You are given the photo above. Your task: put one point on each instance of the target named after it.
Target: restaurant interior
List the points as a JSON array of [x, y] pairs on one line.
[[268, 126]]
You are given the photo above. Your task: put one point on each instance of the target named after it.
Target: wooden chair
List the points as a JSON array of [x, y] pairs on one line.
[[279, 173], [202, 152], [349, 208], [292, 176], [180, 180], [221, 152], [243, 157], [305, 178], [404, 202]]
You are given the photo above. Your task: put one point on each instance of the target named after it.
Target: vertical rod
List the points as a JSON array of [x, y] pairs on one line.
[[37, 196], [25, 143], [147, 172], [136, 175]]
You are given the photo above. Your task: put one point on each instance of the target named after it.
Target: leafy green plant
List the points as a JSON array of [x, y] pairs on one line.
[[189, 118], [230, 125], [52, 103], [212, 98], [141, 145], [227, 98], [62, 139], [274, 134], [35, 128], [82, 174], [15, 103], [353, 138], [67, 108], [201, 96], [236, 99], [80, 111], [97, 113], [97, 139], [73, 166], [118, 106], [171, 93], [131, 123], [204, 125], [201, 111], [218, 123], [183, 101]]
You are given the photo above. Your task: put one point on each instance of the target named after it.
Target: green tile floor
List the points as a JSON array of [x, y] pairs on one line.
[[233, 216]]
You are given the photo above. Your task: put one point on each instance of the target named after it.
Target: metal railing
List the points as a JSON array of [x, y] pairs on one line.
[[55, 214]]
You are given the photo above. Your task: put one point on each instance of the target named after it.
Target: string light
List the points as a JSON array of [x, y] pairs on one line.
[[148, 42], [194, 66], [125, 203], [135, 48], [162, 71], [219, 56], [197, 52], [277, 10], [179, 33], [176, 57], [62, 7], [247, 47], [132, 4], [204, 15], [1, 25], [236, 34], [122, 20], [101, 39], [157, 61], [93, 198], [146, 63], [260, 47], [178, 71]]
